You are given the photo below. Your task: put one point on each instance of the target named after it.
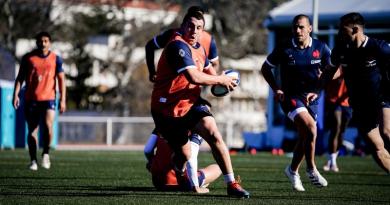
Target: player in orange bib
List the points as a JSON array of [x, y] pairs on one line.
[[40, 69], [158, 154], [160, 41], [338, 115], [183, 67]]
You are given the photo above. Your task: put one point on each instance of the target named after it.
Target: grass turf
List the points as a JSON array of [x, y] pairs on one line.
[[120, 177]]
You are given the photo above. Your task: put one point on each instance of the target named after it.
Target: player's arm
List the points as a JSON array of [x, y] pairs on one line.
[[19, 82], [157, 42], [266, 70], [210, 69], [61, 84], [180, 58], [330, 69], [213, 55], [200, 78], [149, 55], [385, 50]]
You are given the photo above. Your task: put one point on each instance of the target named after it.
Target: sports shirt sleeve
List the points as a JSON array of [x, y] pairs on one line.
[[335, 57], [23, 69], [325, 58], [179, 56], [59, 68], [213, 52], [161, 40], [273, 59]]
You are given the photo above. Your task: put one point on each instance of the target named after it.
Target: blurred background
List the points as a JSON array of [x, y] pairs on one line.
[[102, 45]]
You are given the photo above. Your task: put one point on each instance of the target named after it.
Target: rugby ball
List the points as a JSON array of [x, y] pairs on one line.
[[220, 90]]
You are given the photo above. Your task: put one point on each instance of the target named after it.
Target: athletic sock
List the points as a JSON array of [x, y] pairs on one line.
[[229, 178], [192, 165], [333, 158]]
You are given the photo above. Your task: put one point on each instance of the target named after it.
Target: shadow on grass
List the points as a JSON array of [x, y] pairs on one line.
[[96, 191]]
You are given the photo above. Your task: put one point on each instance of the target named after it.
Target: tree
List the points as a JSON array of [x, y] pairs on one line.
[[23, 19], [237, 25]]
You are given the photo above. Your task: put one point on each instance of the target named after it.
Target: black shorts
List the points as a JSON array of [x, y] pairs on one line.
[[176, 130], [366, 116], [33, 110]]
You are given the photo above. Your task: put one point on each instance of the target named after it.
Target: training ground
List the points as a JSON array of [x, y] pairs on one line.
[[120, 177]]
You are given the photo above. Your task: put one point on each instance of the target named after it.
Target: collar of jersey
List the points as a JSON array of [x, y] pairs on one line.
[[363, 45], [295, 45], [42, 55]]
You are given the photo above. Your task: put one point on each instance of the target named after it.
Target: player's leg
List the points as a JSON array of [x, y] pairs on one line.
[[209, 174], [384, 125], [47, 132], [346, 116], [207, 128], [192, 165], [175, 131], [32, 119], [380, 154], [307, 128], [334, 139], [367, 119], [292, 107], [149, 148]]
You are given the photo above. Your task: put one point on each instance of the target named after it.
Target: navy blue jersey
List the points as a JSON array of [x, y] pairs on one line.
[[299, 68], [365, 70]]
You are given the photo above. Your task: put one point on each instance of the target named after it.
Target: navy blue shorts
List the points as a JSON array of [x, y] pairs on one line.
[[38, 108], [367, 113], [331, 107], [291, 106], [176, 130]]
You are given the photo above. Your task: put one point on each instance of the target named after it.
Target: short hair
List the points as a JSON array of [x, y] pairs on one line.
[[195, 9], [301, 16], [190, 15], [352, 18], [42, 34]]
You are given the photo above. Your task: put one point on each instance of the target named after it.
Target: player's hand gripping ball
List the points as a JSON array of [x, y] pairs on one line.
[[220, 90]]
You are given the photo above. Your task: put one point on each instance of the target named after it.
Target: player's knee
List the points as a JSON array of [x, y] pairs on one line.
[[386, 132], [311, 130]]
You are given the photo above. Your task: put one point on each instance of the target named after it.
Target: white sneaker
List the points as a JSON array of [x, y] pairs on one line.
[[333, 168], [327, 166], [33, 165], [294, 178], [316, 178], [46, 161]]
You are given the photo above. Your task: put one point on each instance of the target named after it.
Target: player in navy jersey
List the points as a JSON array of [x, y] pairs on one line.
[[300, 62], [365, 64]]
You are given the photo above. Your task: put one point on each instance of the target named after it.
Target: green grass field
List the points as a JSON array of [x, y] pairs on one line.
[[119, 177]]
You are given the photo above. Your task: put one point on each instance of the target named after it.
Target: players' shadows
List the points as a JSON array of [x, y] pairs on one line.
[[94, 191]]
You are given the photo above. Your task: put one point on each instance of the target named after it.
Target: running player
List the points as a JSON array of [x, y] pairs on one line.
[[182, 68], [40, 69], [300, 61], [365, 64], [338, 114]]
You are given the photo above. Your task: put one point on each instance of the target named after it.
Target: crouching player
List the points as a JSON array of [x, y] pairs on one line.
[[159, 163]]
